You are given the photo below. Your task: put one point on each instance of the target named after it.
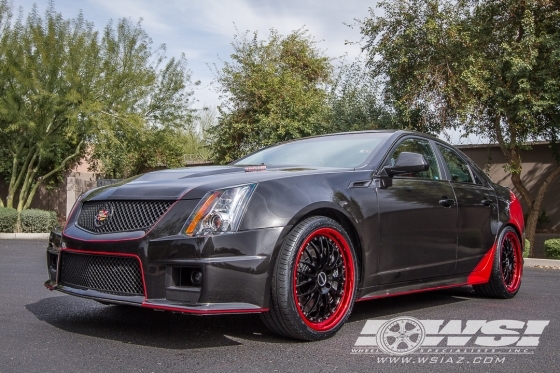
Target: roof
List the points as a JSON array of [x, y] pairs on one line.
[[473, 146]]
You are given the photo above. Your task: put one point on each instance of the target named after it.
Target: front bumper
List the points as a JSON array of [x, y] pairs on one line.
[[234, 267]]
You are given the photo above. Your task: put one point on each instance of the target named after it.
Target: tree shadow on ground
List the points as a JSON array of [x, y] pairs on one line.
[[145, 327]]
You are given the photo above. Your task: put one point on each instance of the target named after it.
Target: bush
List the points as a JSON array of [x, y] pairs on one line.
[[8, 219], [552, 248], [37, 221], [526, 249]]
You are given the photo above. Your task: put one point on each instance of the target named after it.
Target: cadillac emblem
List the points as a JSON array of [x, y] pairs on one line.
[[103, 216]]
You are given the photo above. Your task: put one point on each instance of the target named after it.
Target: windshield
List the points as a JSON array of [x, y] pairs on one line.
[[342, 151]]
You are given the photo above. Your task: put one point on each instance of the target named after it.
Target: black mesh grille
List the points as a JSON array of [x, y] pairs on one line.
[[121, 216], [106, 274]]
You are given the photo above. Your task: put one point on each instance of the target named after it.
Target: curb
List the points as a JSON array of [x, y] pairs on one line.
[[24, 236], [532, 262]]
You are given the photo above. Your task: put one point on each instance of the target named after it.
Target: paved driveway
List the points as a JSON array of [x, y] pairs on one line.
[[42, 331]]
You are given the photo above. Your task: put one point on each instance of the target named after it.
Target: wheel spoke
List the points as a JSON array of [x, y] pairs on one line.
[[307, 302], [315, 306], [317, 253], [390, 333], [416, 330], [312, 290], [306, 274], [305, 283], [310, 265], [308, 253], [402, 326]]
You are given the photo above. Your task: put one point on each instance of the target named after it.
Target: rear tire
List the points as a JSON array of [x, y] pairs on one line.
[[314, 282], [507, 267]]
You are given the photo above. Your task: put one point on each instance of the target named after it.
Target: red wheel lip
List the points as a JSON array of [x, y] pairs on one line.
[[349, 280], [516, 281]]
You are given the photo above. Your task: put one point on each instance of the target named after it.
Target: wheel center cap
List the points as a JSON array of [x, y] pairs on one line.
[[321, 279]]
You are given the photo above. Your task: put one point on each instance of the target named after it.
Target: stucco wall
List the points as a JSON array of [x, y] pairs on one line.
[[536, 163], [56, 198]]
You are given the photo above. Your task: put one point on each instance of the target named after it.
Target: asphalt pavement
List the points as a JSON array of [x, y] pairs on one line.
[[43, 331]]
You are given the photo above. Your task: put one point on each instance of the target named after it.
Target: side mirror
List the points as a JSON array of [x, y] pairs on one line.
[[407, 162]]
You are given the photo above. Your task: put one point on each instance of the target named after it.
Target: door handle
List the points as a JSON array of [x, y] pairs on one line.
[[446, 202], [487, 202]]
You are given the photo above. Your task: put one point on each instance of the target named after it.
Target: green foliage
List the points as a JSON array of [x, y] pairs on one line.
[[274, 90], [552, 248], [68, 91], [527, 249], [489, 66], [354, 101], [8, 219], [37, 221], [543, 219]]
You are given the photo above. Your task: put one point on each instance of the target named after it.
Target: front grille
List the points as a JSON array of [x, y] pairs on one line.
[[121, 216], [107, 274]]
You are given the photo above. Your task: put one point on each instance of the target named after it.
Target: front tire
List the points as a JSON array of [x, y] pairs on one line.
[[507, 267], [314, 282]]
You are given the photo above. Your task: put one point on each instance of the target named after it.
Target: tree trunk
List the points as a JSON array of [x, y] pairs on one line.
[[30, 173], [41, 179], [17, 177], [513, 155]]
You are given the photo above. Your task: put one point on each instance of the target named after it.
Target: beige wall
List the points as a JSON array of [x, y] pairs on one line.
[[536, 163], [59, 197]]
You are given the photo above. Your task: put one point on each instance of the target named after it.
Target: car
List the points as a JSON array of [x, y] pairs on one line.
[[298, 232]]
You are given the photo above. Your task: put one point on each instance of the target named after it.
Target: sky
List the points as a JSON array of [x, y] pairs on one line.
[[204, 29]]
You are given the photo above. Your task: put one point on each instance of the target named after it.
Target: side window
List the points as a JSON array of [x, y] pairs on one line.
[[477, 178], [458, 168], [417, 146]]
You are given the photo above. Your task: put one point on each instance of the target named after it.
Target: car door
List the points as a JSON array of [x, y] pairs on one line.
[[477, 208], [418, 220]]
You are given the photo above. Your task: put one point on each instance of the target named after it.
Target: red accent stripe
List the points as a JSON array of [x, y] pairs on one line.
[[516, 213], [202, 312], [410, 292], [162, 307], [481, 273], [483, 270], [76, 251]]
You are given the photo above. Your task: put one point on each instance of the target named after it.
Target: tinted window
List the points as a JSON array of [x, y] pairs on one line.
[[421, 147], [477, 178], [458, 168], [346, 151]]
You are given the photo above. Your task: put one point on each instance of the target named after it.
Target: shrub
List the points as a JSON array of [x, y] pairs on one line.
[[552, 248], [526, 249], [37, 221], [8, 219]]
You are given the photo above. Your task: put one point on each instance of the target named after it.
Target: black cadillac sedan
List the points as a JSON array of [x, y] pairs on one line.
[[297, 232]]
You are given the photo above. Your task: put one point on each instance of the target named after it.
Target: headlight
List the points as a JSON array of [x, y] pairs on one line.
[[219, 211]]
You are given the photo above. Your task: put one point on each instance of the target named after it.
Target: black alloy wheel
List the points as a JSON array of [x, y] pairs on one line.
[[507, 267], [314, 282]]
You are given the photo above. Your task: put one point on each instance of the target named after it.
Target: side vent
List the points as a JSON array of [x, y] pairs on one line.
[[360, 184]]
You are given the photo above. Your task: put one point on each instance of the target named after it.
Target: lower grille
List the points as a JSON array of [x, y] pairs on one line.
[[107, 274]]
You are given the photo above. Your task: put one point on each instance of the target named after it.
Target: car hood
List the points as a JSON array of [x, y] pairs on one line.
[[194, 182]]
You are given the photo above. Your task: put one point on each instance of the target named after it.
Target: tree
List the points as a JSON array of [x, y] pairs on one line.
[[65, 91], [274, 90], [354, 101], [489, 66]]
